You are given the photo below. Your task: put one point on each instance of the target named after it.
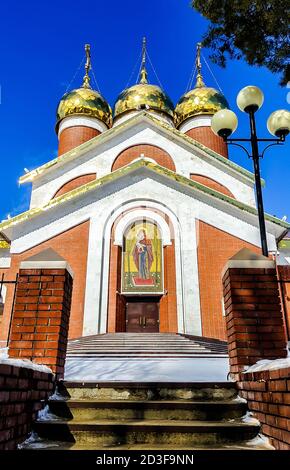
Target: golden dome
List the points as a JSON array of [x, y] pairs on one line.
[[143, 96], [87, 102], [200, 100], [84, 100]]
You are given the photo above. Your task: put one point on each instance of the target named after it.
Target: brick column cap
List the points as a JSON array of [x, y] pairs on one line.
[[246, 258], [46, 259]]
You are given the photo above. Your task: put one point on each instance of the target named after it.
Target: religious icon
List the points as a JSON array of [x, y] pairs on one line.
[[142, 259]]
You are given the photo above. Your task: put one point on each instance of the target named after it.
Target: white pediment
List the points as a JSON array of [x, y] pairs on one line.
[[98, 155], [140, 182]]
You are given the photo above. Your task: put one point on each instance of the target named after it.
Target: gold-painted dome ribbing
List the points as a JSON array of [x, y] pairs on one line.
[[84, 100], [200, 100], [143, 96], [87, 102]]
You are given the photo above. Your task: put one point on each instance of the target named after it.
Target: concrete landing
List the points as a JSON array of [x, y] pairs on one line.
[[199, 369]]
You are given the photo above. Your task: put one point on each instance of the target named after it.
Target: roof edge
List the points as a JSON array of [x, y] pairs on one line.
[[37, 172], [24, 216]]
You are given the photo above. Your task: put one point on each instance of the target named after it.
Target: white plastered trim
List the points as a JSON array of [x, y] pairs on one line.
[[238, 263], [196, 121], [96, 295], [73, 121], [5, 261], [3, 292], [138, 214], [46, 265], [120, 119]]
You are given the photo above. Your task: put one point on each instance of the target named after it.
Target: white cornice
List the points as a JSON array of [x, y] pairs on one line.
[[128, 175], [74, 121], [147, 120]]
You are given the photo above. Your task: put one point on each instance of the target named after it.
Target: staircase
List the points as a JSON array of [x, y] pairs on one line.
[[143, 345], [140, 416]]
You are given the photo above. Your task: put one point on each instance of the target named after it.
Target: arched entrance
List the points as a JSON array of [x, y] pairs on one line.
[[142, 287], [142, 276]]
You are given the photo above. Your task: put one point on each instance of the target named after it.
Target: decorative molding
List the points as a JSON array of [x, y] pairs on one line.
[[73, 121], [139, 214], [196, 121]]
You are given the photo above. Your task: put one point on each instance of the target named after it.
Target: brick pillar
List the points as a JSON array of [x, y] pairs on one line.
[[254, 319], [40, 320]]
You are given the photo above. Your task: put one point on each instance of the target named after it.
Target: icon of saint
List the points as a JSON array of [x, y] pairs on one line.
[[143, 255]]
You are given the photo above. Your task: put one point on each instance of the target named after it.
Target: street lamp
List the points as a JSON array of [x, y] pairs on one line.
[[225, 122]]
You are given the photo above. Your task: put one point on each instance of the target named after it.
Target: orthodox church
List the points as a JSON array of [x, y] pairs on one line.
[[144, 206]]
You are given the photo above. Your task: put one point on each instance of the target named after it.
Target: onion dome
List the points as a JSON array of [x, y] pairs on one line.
[[200, 100], [84, 101], [144, 96]]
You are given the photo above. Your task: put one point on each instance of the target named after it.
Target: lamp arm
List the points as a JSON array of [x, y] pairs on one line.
[[238, 145], [278, 142]]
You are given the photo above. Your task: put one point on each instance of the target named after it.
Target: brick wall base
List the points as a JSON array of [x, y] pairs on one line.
[[254, 319], [268, 396], [23, 393]]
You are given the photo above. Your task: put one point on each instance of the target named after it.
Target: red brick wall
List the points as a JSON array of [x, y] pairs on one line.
[[75, 183], [205, 136], [22, 392], [150, 151], [255, 331], [215, 247], [72, 245], [71, 137], [254, 320], [40, 318], [211, 184], [268, 397]]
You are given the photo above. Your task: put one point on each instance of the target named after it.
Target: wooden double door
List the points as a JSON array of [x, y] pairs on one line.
[[142, 315]]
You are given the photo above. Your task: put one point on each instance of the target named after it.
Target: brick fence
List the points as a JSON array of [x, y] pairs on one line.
[[268, 395], [40, 318], [23, 393], [256, 331]]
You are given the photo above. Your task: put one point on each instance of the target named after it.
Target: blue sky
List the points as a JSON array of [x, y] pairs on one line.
[[41, 47]]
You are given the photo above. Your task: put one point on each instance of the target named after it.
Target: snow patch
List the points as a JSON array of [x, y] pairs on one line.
[[4, 353], [250, 419], [47, 415], [36, 442], [267, 364], [58, 395], [24, 363], [239, 399], [260, 441]]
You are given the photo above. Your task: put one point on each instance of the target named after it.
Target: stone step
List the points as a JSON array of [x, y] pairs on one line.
[[136, 343], [110, 432], [161, 345], [142, 353], [139, 345], [141, 356], [45, 444], [148, 409], [222, 391]]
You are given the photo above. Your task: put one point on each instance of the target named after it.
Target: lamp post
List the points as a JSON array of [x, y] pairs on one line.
[[225, 122]]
